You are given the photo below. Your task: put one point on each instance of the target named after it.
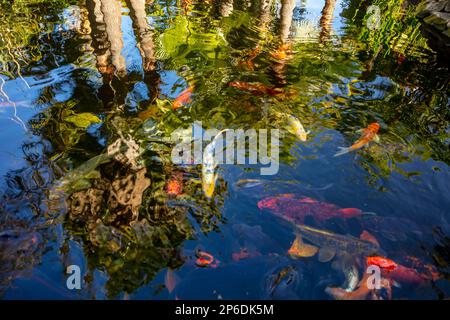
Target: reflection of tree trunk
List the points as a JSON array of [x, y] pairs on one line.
[[226, 8], [144, 35], [264, 14], [326, 20], [100, 43], [112, 17], [287, 10], [286, 13]]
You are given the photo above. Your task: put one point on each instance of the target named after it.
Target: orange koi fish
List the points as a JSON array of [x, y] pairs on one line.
[[256, 88], [383, 263], [401, 273], [183, 98], [205, 259], [368, 134], [175, 184]]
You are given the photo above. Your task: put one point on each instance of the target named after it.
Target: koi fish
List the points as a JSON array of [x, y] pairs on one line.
[[282, 283], [295, 208], [368, 134], [401, 273], [175, 184], [183, 98], [295, 127], [404, 274], [383, 263], [209, 176], [331, 244], [351, 278], [361, 293], [328, 244], [205, 259], [256, 88]]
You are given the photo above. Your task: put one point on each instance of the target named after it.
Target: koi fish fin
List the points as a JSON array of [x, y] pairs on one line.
[[376, 138], [171, 280], [342, 151], [326, 254], [301, 249], [366, 236]]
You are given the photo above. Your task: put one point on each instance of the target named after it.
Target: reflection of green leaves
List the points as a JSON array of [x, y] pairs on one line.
[[398, 30], [83, 120], [186, 39]]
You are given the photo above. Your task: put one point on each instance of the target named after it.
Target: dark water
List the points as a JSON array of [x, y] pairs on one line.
[[82, 78]]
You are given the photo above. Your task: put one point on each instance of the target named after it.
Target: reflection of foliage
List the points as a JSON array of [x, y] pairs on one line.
[[63, 125], [21, 22], [19, 253], [399, 30], [128, 223]]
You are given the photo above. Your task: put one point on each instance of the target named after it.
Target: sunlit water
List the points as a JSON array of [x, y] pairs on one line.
[[78, 80]]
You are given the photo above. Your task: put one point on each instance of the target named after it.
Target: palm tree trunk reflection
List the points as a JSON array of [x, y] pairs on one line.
[[287, 10], [226, 8], [99, 38], [111, 10], [326, 21], [144, 35]]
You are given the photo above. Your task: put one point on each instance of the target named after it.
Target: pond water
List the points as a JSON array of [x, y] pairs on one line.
[[93, 93]]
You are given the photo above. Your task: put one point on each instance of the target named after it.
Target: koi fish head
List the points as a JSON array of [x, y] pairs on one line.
[[270, 203], [295, 127], [373, 127], [384, 263]]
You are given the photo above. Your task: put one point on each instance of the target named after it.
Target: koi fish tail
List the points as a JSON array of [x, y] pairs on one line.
[[342, 150]]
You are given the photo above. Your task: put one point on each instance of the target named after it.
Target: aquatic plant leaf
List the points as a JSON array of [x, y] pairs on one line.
[[83, 120]]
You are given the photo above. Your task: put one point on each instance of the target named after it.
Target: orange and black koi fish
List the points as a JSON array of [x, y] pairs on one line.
[[175, 184], [368, 134], [183, 98]]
